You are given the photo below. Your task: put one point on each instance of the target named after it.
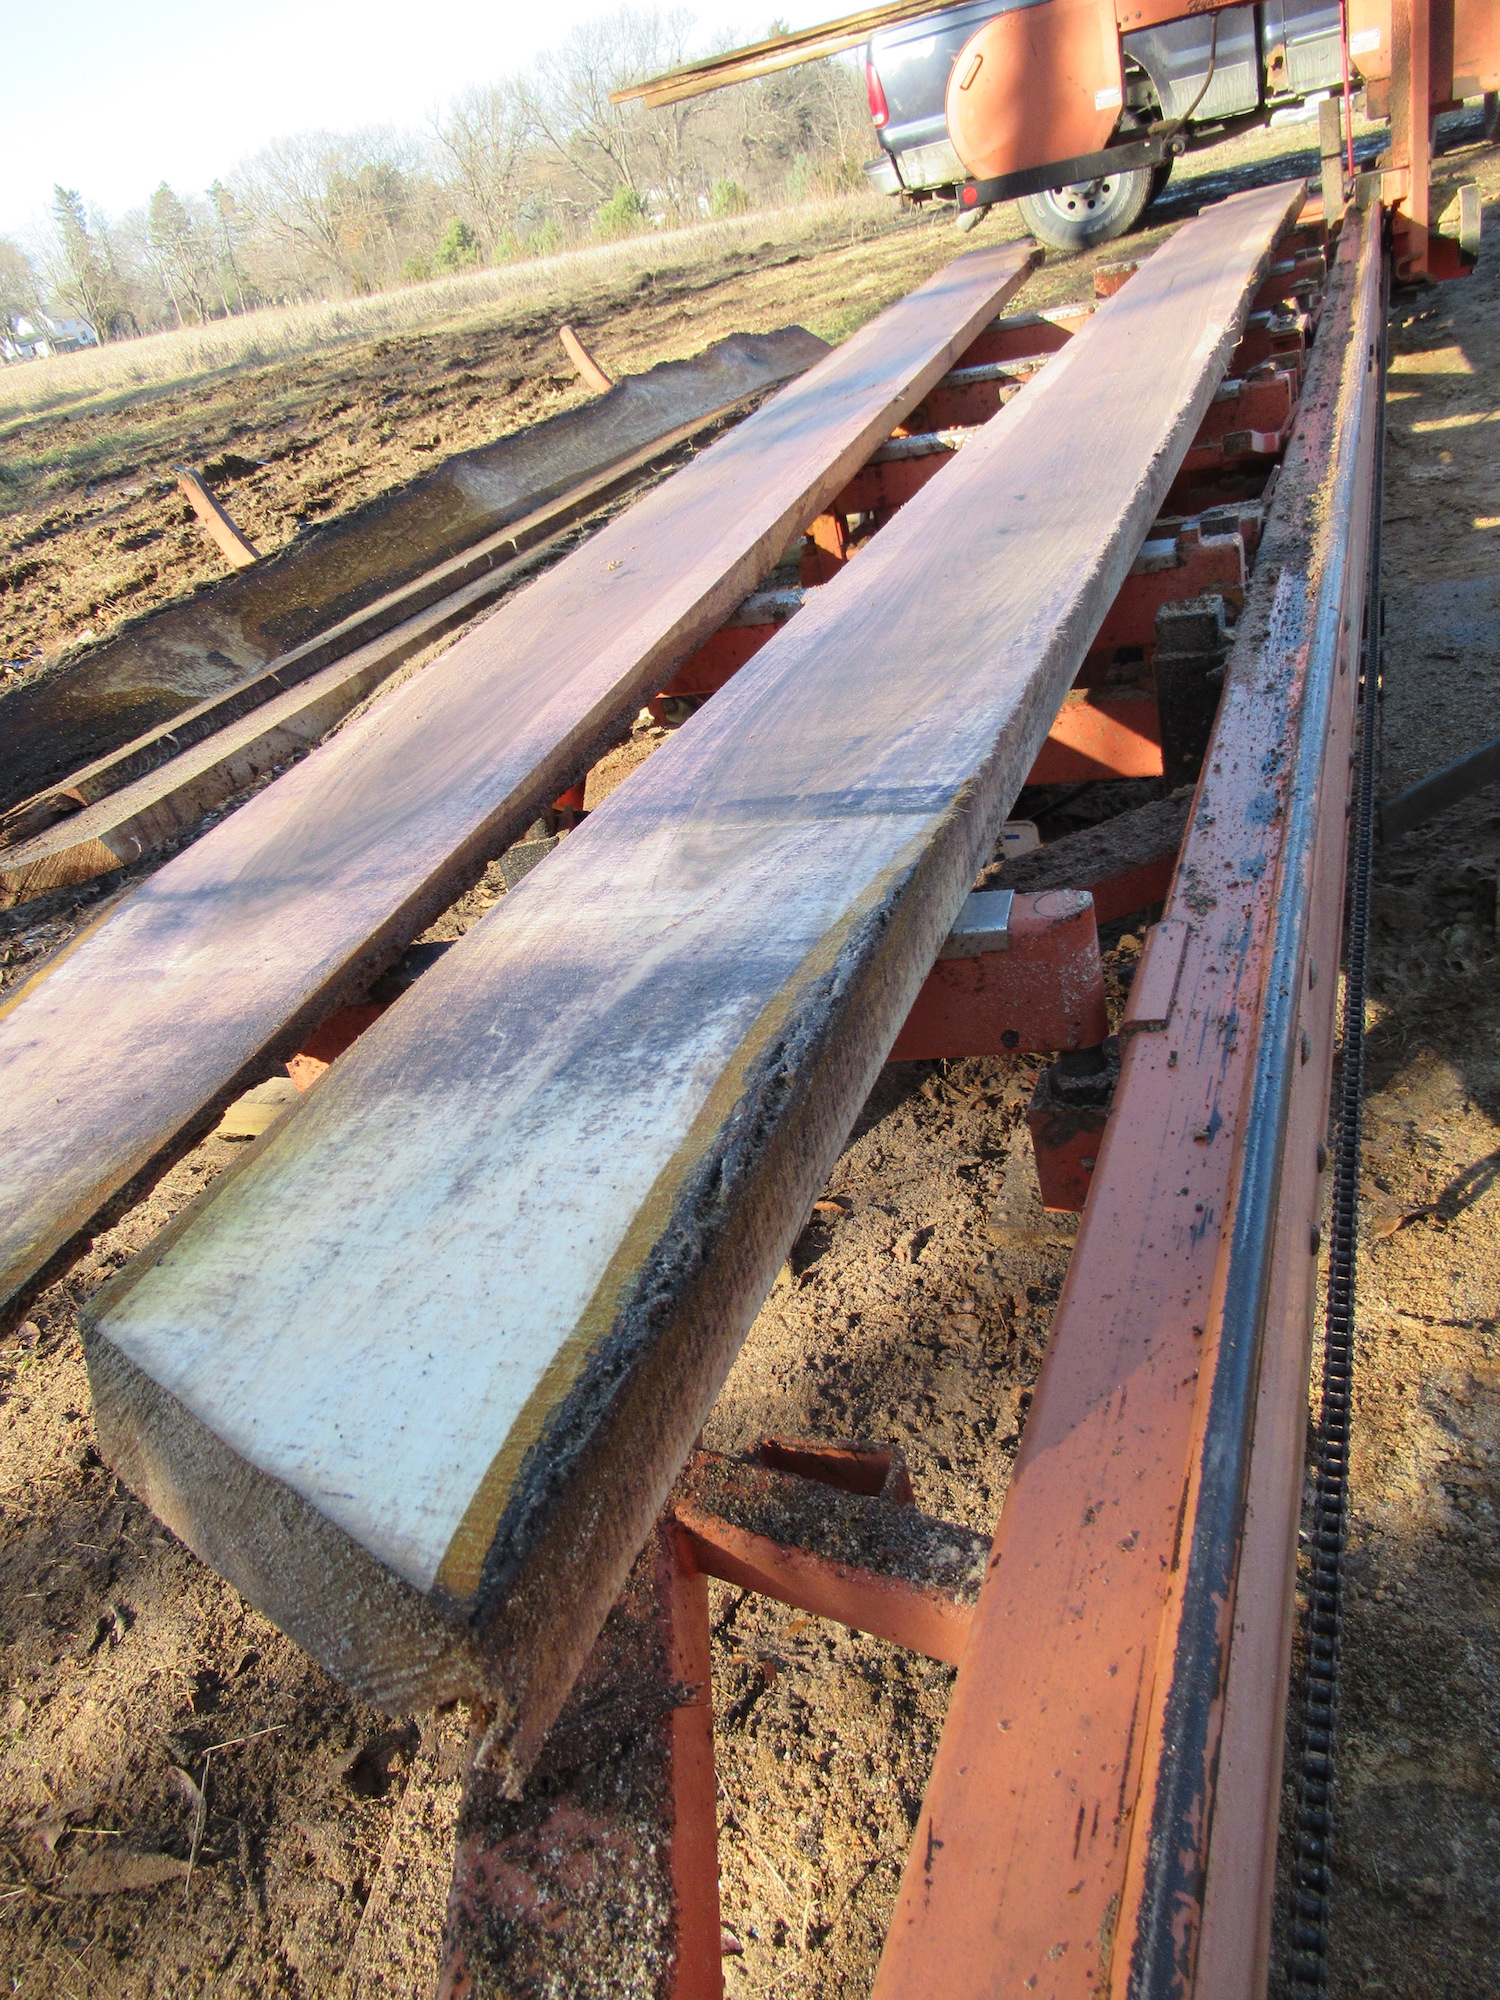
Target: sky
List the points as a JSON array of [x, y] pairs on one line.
[[112, 97]]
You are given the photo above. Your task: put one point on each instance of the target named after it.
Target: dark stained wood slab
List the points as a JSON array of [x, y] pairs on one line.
[[220, 965], [418, 1375]]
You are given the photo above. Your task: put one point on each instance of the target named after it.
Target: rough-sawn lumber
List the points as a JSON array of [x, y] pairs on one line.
[[167, 661], [115, 1054], [418, 1375], [137, 799], [379, 545]]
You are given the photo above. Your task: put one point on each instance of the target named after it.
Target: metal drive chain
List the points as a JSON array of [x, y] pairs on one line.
[[1307, 1956]]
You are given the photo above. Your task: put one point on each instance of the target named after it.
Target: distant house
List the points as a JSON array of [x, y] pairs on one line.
[[34, 339]]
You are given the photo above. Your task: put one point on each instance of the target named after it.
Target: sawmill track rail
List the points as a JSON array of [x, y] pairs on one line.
[[1311, 1869]]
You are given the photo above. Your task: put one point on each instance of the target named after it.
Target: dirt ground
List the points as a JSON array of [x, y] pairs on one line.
[[188, 1806], [93, 529]]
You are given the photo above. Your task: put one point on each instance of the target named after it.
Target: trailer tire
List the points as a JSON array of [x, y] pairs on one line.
[[1090, 212]]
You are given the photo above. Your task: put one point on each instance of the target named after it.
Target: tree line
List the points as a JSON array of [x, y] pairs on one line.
[[518, 168]]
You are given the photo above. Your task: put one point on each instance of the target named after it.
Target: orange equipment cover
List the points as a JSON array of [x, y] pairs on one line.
[[1463, 65], [1034, 85]]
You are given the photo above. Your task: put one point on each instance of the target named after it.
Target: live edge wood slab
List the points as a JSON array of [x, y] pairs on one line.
[[124, 1048], [418, 1374]]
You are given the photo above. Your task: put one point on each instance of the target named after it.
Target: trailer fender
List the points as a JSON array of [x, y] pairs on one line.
[[1035, 84]]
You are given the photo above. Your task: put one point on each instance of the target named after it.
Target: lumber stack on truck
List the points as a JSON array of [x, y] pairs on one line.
[[421, 1395]]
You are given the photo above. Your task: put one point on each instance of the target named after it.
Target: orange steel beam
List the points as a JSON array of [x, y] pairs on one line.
[[1070, 1821], [1235, 1948], [1272, 1239], [1409, 177], [924, 1622], [1198, 564], [603, 1875], [1101, 734]]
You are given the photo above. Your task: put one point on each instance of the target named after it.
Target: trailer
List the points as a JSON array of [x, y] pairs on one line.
[[1078, 108]]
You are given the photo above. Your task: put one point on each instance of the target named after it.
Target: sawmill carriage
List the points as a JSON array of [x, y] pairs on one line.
[[686, 1001]]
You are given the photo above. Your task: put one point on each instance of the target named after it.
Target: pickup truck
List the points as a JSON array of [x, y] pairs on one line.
[[1186, 83]]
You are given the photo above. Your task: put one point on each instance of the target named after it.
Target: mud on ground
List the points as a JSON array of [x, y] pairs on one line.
[[187, 1806]]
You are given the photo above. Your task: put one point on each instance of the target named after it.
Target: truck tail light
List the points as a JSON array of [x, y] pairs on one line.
[[879, 109]]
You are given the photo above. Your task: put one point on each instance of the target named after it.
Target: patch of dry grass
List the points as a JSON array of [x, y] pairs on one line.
[[166, 360]]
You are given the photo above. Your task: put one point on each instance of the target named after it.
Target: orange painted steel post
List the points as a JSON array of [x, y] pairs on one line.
[[683, 1586], [826, 549], [1067, 1117], [1057, 1853], [1408, 178], [604, 1874]]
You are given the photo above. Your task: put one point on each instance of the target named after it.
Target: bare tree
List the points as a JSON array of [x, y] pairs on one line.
[[175, 245], [287, 189], [609, 146], [528, 162], [20, 293], [229, 228], [86, 278], [485, 135]]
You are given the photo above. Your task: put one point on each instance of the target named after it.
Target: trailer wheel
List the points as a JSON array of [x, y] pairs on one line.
[[1089, 212]]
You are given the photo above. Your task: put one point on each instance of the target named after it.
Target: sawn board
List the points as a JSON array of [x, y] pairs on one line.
[[418, 1375], [214, 969]]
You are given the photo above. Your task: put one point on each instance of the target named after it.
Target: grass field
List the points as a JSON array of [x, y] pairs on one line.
[[67, 382]]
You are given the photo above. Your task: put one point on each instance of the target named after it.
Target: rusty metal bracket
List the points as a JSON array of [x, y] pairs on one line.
[[603, 1876]]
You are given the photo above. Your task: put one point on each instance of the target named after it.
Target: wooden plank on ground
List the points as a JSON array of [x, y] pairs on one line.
[[418, 1375], [236, 548], [209, 973]]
